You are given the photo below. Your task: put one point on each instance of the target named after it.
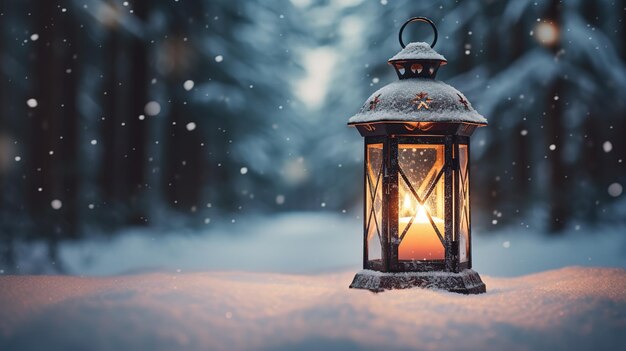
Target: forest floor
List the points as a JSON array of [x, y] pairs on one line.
[[283, 286]]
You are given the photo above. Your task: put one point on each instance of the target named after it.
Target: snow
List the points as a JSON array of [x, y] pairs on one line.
[[615, 189], [281, 283], [573, 308], [280, 199], [152, 108], [395, 104], [417, 51], [306, 243], [56, 204], [188, 84], [32, 103]]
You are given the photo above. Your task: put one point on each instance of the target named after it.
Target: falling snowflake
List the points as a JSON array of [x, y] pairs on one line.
[[243, 170], [615, 189], [56, 204], [552, 147], [94, 142], [188, 85], [219, 58], [280, 199], [34, 37], [32, 103], [607, 146], [190, 126], [152, 108], [18, 158]]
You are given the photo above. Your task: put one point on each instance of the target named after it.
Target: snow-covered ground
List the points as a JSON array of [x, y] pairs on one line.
[[573, 308], [280, 283], [323, 242]]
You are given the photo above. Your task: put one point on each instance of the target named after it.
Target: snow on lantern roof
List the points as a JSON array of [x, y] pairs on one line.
[[417, 100], [418, 51]]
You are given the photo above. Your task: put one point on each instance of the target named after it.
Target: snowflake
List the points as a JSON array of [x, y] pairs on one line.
[[56, 204], [188, 85], [152, 108], [280, 199]]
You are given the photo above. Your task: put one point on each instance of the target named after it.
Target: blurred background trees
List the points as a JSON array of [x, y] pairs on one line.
[[122, 113]]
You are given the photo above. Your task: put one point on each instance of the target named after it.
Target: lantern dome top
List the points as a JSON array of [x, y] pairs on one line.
[[417, 96], [418, 51], [417, 100]]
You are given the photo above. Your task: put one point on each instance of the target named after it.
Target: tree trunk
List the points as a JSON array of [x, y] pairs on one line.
[[138, 132], [558, 185]]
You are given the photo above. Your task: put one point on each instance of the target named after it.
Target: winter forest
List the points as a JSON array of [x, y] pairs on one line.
[[181, 175], [193, 114]]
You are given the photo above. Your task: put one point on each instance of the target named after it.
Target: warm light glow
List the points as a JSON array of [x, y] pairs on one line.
[[547, 33], [409, 209], [420, 241], [420, 222]]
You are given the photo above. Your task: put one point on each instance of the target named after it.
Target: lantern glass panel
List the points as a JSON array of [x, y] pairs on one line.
[[464, 218], [421, 202], [374, 200]]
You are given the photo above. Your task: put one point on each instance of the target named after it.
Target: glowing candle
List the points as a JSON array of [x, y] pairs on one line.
[[420, 242]]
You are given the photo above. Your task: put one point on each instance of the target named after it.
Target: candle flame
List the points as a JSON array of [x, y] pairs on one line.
[[408, 210]]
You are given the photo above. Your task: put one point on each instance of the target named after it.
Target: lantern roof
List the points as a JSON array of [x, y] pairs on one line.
[[418, 51], [417, 96], [417, 100]]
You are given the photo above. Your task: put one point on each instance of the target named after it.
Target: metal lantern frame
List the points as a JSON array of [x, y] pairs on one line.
[[456, 191], [388, 134]]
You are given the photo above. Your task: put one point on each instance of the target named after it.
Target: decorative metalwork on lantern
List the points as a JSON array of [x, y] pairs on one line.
[[417, 228]]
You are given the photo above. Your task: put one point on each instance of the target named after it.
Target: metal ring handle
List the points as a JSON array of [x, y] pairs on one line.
[[418, 19]]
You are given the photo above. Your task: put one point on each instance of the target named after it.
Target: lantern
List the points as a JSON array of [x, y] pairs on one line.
[[417, 229]]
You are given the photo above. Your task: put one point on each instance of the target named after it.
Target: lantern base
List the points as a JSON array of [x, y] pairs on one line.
[[465, 282]]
